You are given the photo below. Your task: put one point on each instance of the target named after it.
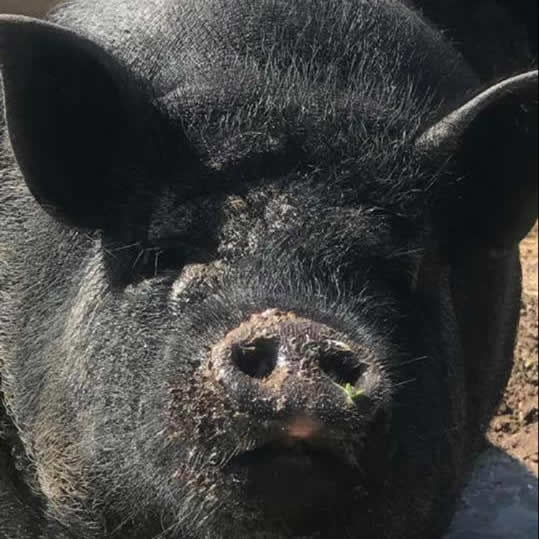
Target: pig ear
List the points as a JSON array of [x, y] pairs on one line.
[[67, 106], [492, 140]]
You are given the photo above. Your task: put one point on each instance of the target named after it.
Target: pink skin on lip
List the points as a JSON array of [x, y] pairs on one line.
[[302, 428]]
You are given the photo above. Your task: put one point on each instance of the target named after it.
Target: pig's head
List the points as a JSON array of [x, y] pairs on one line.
[[244, 280]]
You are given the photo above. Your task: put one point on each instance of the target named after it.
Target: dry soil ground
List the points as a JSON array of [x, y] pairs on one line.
[[515, 427], [500, 501]]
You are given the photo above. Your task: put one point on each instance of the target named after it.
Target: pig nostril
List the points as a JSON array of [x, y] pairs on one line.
[[256, 358], [342, 366]]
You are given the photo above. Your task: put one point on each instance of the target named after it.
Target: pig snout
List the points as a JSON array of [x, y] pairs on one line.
[[316, 398], [282, 366]]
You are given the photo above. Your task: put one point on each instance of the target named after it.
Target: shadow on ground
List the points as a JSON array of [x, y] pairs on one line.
[[500, 501]]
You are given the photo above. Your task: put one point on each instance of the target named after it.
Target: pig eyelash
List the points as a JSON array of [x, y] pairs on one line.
[[143, 261], [150, 262], [165, 257], [145, 256]]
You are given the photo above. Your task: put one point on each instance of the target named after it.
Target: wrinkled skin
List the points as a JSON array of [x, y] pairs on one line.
[[269, 184]]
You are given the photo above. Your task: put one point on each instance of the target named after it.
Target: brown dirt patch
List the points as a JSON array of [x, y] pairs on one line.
[[515, 428]]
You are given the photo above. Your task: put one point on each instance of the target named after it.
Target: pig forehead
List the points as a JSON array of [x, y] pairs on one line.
[[242, 220], [259, 80], [170, 42], [238, 74]]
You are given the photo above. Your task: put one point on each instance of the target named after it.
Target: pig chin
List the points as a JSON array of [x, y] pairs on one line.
[[298, 484], [290, 494]]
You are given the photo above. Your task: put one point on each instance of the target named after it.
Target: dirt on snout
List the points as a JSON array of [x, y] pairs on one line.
[[514, 429]]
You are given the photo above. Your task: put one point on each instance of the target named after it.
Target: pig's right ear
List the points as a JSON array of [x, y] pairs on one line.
[[492, 142], [69, 115]]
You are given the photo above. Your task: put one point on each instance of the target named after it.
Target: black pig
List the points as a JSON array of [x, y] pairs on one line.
[[259, 271]]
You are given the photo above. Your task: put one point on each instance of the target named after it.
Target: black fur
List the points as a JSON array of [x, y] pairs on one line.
[[266, 158]]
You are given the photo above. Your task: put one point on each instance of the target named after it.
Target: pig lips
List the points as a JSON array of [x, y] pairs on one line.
[[295, 458], [296, 472]]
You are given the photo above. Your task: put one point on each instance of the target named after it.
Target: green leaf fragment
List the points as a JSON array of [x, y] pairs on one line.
[[353, 393]]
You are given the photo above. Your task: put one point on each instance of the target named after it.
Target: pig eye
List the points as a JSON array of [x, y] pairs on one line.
[[401, 276], [158, 258]]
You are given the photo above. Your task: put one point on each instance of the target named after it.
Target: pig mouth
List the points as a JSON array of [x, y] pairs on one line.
[[287, 466], [299, 453], [296, 480]]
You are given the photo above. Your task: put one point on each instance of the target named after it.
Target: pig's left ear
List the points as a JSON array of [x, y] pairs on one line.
[[492, 141], [71, 113]]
